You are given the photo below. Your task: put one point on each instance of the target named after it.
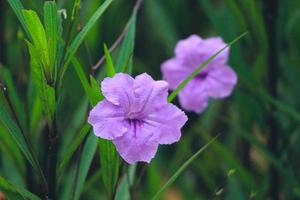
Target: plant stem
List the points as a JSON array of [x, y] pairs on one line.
[[52, 158], [271, 11]]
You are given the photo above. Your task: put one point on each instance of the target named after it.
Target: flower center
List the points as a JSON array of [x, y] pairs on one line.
[[134, 123], [202, 75]]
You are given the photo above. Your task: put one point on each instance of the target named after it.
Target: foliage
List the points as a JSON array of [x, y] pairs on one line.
[[49, 80]]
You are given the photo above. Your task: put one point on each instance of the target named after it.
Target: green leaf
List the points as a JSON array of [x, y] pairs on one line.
[[83, 80], [95, 90], [92, 89], [87, 155], [7, 186], [82, 34], [124, 61], [190, 77], [109, 63], [109, 159], [20, 140], [71, 150], [10, 149], [51, 24], [46, 92], [181, 169], [17, 8], [14, 96], [39, 39], [123, 192]]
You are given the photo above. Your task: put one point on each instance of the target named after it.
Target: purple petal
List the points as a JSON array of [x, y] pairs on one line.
[[187, 46], [193, 51], [138, 144], [149, 93], [221, 82], [194, 96], [119, 90], [107, 120], [212, 45], [174, 72], [167, 122]]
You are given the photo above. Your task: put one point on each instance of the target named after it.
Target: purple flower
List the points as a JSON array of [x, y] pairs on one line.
[[216, 80], [136, 116]]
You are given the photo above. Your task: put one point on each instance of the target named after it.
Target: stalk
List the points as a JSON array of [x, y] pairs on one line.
[[271, 12]]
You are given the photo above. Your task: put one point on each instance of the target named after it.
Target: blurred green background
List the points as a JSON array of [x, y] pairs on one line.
[[257, 153]]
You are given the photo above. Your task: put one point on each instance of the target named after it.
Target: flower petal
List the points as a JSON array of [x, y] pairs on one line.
[[221, 82], [107, 120], [118, 90], [194, 96], [138, 144], [187, 46], [174, 72], [212, 45], [167, 122], [149, 93]]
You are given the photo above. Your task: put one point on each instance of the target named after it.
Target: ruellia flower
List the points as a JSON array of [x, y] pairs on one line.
[[216, 80], [136, 116]]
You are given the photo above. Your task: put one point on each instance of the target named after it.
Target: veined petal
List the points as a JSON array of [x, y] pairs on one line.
[[119, 90], [221, 82], [139, 143], [149, 93], [167, 122], [107, 120]]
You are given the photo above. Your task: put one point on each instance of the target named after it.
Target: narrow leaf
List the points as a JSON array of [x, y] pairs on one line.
[[95, 90], [83, 79], [82, 34], [14, 96], [190, 77], [46, 92], [20, 139], [181, 169], [7, 186], [39, 39], [109, 63], [87, 155], [17, 8], [123, 192], [51, 26], [109, 159], [72, 148], [124, 61]]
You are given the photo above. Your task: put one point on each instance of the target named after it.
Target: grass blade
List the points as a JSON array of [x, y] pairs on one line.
[[21, 141], [17, 7], [82, 34], [39, 39], [51, 28], [14, 96], [71, 150], [7, 186], [87, 155], [123, 192], [190, 77], [182, 168], [109, 63], [124, 61], [109, 159]]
